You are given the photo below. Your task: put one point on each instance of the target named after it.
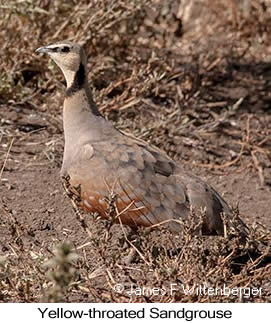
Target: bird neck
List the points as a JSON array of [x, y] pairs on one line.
[[81, 119], [77, 83]]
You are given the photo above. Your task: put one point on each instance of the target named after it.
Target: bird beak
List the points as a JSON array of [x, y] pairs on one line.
[[43, 50]]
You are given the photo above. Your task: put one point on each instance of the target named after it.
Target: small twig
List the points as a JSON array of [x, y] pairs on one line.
[[258, 167], [226, 164], [6, 158], [132, 245]]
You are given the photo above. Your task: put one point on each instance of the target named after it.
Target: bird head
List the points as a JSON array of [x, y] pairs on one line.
[[67, 55]]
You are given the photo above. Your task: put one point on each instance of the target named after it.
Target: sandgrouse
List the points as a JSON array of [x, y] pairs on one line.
[[117, 175]]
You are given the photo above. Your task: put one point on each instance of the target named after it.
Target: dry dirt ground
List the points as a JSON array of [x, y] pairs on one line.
[[201, 94]]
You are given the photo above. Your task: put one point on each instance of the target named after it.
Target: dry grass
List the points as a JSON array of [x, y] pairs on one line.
[[158, 73], [91, 271]]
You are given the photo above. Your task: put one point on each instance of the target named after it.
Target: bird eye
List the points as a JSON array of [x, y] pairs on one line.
[[65, 49]]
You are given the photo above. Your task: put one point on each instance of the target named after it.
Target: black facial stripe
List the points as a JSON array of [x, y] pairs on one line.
[[65, 49], [60, 49], [54, 49]]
